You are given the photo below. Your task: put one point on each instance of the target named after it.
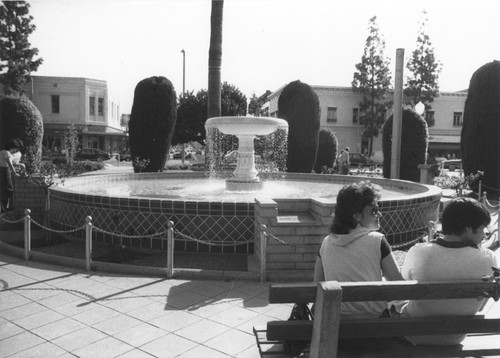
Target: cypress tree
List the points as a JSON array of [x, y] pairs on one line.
[[298, 104], [152, 122], [327, 150], [19, 118], [480, 135], [414, 143]]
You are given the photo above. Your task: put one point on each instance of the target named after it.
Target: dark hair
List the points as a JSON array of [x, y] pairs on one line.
[[13, 143], [352, 199], [462, 213]]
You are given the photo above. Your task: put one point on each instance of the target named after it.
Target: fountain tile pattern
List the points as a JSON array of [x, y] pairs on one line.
[[219, 227], [203, 227]]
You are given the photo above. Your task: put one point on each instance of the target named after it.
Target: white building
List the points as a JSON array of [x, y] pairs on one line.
[[339, 112], [83, 102]]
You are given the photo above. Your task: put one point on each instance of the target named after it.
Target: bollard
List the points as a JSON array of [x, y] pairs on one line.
[[479, 195], [88, 243], [431, 230], [484, 198], [263, 251], [27, 234], [170, 250]]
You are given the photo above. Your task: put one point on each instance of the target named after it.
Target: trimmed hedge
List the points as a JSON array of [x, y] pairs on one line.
[[298, 104], [19, 118], [480, 143], [327, 150], [414, 143], [152, 122]]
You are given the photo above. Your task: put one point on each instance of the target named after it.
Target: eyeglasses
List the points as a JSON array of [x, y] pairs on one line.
[[375, 209]]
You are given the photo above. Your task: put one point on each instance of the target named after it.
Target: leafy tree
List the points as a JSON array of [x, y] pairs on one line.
[[298, 104], [422, 84], [192, 112], [17, 57], [480, 131], [19, 118], [71, 143], [372, 80], [256, 103], [152, 122], [414, 143], [215, 59], [327, 150]]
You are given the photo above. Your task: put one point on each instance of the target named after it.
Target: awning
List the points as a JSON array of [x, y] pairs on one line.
[[444, 139]]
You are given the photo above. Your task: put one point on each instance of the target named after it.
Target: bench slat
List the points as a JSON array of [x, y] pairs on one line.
[[387, 327], [382, 291]]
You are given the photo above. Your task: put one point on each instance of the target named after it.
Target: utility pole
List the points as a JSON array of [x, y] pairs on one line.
[[183, 153]]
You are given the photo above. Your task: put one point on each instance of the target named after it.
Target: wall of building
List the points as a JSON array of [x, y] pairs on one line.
[[444, 136]]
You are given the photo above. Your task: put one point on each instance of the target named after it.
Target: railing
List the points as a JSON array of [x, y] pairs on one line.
[[89, 229]]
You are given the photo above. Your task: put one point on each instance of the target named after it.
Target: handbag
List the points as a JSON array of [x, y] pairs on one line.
[[300, 312]]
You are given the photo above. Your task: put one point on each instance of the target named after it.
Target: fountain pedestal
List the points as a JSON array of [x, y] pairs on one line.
[[245, 177]]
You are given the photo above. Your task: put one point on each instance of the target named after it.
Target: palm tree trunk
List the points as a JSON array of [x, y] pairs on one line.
[[215, 60]]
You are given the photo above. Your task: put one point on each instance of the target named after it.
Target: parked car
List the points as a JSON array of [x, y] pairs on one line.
[[92, 154], [359, 159]]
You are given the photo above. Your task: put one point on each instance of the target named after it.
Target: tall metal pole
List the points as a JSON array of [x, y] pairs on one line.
[[183, 153], [183, 71], [397, 123]]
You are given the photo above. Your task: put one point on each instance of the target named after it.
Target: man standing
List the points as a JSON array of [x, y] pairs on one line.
[[456, 256], [345, 161]]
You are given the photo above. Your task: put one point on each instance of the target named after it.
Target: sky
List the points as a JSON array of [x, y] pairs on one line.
[[266, 43]]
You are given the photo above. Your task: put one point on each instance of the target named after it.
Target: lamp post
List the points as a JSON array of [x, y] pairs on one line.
[[183, 153]]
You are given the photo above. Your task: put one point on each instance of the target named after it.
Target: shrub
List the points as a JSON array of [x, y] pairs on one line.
[[152, 122], [480, 131], [298, 104], [414, 143], [19, 118], [327, 150]]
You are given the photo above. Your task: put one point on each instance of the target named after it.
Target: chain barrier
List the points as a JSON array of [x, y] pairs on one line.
[[2, 218], [163, 234], [57, 231], [213, 243], [394, 247]]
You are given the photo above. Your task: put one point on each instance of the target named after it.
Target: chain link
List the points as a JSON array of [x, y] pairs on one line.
[[164, 233], [213, 243], [57, 231], [10, 221]]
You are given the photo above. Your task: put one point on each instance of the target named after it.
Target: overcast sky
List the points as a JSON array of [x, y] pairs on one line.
[[266, 43]]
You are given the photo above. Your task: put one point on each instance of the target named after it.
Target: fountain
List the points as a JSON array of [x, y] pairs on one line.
[[217, 216], [246, 129]]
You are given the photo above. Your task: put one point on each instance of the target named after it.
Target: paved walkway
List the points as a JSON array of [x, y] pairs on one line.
[[52, 311]]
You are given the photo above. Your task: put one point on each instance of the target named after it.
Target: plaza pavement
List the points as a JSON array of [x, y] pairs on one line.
[[53, 311]]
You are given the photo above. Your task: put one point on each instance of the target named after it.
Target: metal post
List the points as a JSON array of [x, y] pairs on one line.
[[397, 119], [498, 222], [479, 194], [484, 198], [170, 250], [263, 251], [431, 230], [88, 243], [27, 234]]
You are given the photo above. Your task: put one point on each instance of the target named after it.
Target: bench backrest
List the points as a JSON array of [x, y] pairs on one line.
[[327, 327]]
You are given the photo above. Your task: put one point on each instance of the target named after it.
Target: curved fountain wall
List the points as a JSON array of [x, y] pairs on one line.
[[404, 218]]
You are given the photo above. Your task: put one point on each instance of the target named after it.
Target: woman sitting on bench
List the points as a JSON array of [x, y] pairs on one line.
[[354, 251]]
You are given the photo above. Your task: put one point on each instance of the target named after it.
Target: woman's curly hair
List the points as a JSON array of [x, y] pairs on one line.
[[351, 199]]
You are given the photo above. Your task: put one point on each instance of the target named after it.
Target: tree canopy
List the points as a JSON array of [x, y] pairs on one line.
[[17, 57], [192, 112], [422, 83], [372, 80]]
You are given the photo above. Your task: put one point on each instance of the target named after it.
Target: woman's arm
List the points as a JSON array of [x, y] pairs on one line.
[[319, 274], [11, 166], [390, 268]]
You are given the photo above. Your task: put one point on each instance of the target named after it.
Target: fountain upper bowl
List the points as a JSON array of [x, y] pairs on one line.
[[247, 125]]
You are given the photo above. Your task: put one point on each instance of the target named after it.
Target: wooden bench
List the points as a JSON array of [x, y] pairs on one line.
[[327, 328]]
